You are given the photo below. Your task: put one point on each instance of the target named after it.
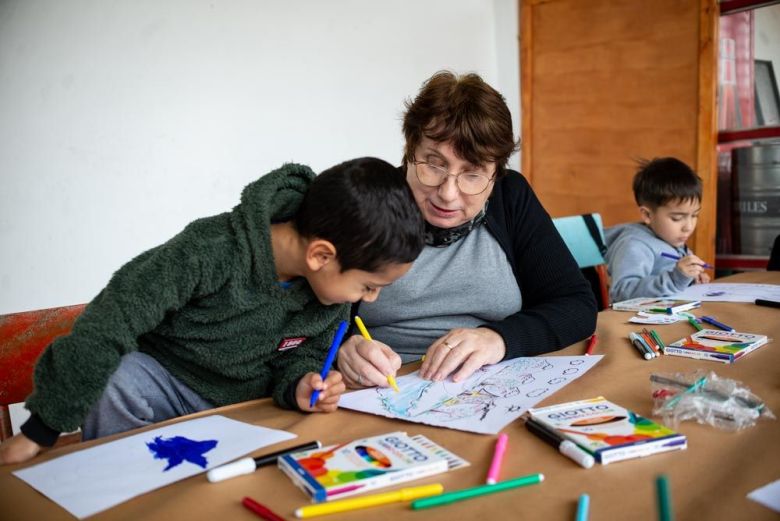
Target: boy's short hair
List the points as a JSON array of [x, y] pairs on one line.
[[665, 179], [465, 111], [366, 209]]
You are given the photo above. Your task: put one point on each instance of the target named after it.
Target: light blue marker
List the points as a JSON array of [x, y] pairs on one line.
[[582, 508]]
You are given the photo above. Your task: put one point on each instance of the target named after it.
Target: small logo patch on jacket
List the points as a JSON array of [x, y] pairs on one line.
[[290, 343]]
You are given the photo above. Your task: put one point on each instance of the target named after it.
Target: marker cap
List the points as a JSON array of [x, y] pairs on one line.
[[571, 450], [238, 468]]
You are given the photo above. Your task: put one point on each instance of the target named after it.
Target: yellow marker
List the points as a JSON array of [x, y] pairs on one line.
[[393, 383], [363, 331], [344, 505]]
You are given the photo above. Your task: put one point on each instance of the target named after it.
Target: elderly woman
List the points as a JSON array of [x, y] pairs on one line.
[[495, 280]]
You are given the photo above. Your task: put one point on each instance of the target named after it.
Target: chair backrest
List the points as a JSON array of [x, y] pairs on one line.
[[774, 256], [584, 236], [23, 337]]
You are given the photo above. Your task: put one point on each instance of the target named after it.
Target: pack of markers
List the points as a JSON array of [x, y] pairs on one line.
[[608, 431], [361, 465], [647, 342], [656, 305], [714, 344]]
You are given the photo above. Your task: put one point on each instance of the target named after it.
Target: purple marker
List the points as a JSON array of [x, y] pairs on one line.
[[721, 325], [677, 257]]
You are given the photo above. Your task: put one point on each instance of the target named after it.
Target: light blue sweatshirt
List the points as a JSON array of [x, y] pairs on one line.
[[636, 266]]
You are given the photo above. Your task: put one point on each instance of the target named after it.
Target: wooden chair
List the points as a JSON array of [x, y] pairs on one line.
[[23, 337], [584, 236]]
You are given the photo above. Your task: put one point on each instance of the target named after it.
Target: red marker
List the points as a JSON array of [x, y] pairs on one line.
[[591, 345], [260, 510]]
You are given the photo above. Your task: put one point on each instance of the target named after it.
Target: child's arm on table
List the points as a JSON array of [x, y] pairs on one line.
[[17, 449]]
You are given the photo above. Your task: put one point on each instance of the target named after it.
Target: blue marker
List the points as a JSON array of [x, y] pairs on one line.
[[721, 325], [677, 257], [334, 347]]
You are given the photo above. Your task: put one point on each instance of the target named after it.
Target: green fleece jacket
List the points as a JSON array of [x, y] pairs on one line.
[[207, 305]]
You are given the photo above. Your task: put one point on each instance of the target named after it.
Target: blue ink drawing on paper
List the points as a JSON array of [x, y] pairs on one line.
[[179, 449]]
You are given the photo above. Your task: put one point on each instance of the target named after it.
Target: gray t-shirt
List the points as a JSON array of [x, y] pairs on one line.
[[465, 284]]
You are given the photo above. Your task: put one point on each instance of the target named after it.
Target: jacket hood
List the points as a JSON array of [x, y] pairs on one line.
[[615, 232], [273, 198]]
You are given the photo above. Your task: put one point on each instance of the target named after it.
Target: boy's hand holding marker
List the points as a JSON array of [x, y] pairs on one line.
[[330, 390], [323, 390], [692, 266]]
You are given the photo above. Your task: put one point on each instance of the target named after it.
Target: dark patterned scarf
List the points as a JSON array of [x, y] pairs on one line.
[[443, 237]]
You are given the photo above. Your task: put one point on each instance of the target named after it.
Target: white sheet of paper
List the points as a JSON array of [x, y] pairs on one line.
[[91, 480], [768, 495], [730, 292], [486, 402], [655, 318]]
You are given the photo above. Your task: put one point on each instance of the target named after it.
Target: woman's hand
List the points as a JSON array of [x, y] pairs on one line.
[[330, 391], [466, 349], [367, 363], [17, 449]]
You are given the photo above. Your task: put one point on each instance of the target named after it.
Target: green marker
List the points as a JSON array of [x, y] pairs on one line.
[[460, 495], [658, 340], [668, 311], [664, 499], [694, 323]]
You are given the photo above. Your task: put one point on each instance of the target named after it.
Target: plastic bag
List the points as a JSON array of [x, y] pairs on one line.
[[705, 397]]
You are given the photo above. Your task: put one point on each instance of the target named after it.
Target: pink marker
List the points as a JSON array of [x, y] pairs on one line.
[[498, 456], [343, 490]]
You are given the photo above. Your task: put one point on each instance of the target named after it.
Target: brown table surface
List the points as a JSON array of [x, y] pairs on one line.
[[709, 480]]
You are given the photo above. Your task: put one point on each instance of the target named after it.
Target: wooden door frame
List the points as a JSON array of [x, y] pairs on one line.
[[703, 240]]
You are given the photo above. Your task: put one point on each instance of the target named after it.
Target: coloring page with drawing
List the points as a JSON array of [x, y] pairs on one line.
[[486, 402]]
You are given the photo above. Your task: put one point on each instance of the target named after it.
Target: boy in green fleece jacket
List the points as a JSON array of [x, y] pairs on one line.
[[237, 306]]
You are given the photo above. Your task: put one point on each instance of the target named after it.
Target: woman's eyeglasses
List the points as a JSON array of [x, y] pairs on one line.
[[470, 183]]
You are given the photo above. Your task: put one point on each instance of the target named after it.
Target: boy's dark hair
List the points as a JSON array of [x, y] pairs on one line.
[[367, 210], [665, 179], [465, 111]]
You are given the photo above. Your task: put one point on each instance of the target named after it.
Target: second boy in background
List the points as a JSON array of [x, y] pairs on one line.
[[668, 194]]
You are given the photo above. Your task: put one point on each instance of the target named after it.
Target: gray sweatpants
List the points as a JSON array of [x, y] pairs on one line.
[[139, 393]]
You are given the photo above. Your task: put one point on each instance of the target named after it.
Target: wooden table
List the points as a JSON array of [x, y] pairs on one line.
[[710, 480]]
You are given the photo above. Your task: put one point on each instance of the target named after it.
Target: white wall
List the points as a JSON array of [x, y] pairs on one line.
[[122, 121], [766, 38]]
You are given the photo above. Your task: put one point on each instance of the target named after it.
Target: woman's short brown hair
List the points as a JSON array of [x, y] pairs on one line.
[[465, 111]]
